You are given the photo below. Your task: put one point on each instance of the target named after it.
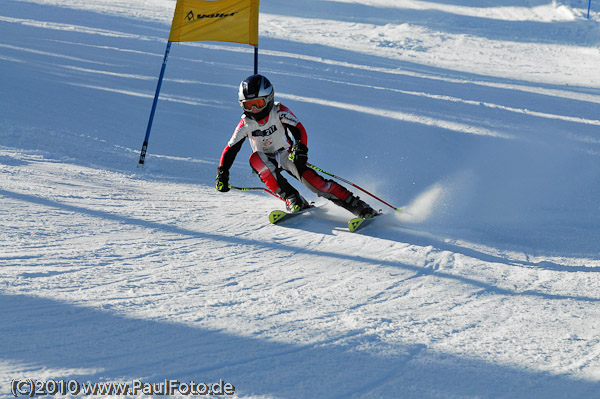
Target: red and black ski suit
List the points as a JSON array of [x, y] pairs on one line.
[[271, 140]]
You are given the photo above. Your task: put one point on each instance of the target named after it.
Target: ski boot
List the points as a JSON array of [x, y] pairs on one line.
[[357, 207], [295, 203]]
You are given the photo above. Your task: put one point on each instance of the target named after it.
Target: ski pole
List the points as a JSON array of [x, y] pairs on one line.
[[266, 190], [353, 185]]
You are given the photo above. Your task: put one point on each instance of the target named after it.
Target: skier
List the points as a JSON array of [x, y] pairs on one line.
[[279, 142]]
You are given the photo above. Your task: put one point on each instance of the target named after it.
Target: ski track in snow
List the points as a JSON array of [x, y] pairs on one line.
[[108, 273], [138, 250]]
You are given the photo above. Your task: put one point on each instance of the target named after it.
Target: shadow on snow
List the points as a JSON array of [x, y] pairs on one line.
[[54, 334]]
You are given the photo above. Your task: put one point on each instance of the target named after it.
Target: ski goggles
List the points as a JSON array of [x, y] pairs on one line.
[[258, 104]]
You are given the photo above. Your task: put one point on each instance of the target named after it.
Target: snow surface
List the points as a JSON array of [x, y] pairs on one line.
[[479, 118]]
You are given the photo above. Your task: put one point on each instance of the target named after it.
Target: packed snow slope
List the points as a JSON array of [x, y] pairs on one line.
[[480, 119]]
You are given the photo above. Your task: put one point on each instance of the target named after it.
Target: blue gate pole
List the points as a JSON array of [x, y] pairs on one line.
[[589, 6], [160, 79], [255, 60]]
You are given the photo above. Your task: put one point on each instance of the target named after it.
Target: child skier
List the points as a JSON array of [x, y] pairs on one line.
[[278, 142]]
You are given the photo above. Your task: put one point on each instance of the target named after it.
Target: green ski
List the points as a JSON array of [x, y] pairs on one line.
[[279, 216]]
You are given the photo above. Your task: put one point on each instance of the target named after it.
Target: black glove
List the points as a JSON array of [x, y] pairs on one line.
[[299, 154], [222, 180]]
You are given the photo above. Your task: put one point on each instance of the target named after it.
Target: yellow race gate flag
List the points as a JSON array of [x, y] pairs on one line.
[[198, 20], [218, 20]]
